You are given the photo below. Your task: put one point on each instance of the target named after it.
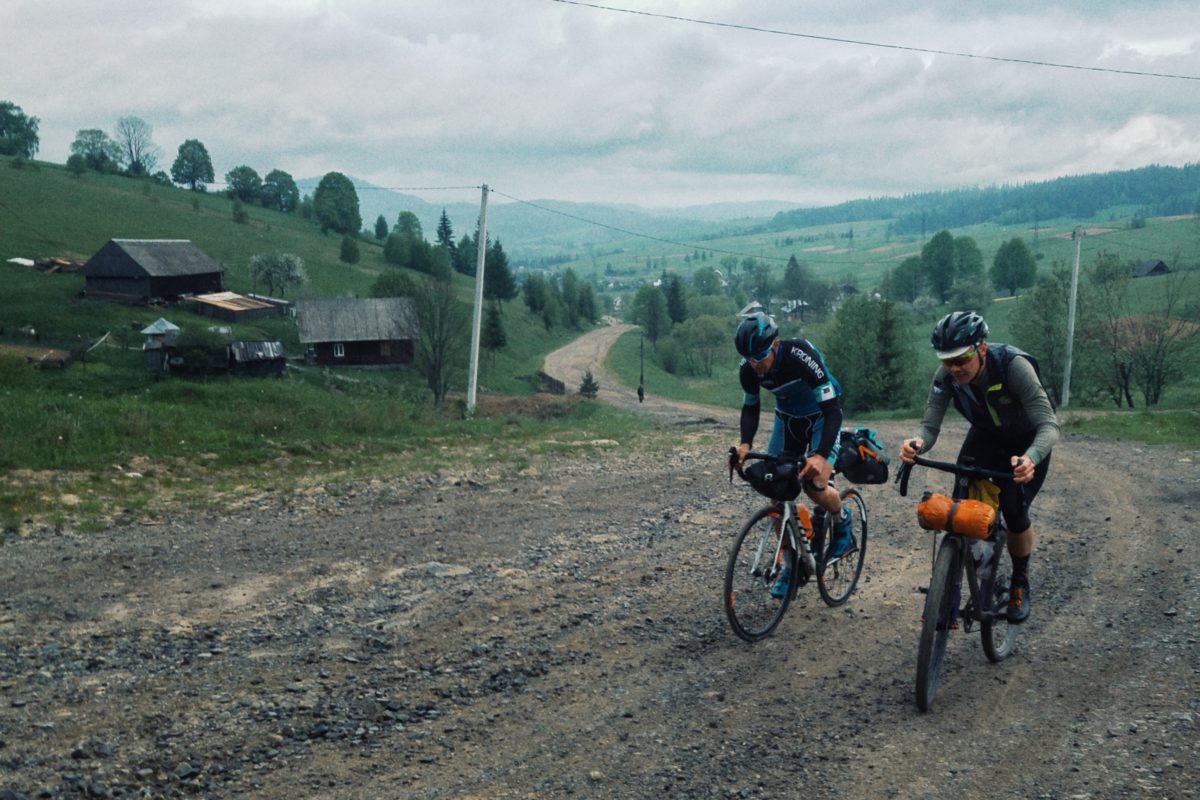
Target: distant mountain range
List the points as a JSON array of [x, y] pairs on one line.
[[546, 228]]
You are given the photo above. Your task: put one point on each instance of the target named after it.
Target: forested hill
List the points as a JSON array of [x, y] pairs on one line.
[[1154, 190]]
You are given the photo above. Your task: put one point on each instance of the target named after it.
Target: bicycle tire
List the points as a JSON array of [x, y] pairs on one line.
[[998, 636], [939, 615], [839, 578], [752, 610]]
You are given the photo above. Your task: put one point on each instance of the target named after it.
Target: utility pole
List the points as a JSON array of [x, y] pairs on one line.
[[477, 319], [1077, 235]]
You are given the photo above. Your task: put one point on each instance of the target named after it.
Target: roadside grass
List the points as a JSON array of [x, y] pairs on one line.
[[88, 459], [1178, 428]]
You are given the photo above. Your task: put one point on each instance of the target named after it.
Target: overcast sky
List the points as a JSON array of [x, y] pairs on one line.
[[551, 100]]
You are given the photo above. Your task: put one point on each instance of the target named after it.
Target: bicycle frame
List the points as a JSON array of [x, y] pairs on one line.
[[978, 586]]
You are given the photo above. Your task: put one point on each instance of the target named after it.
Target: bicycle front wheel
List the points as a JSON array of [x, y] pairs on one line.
[[755, 564], [941, 613], [999, 638], [837, 582]]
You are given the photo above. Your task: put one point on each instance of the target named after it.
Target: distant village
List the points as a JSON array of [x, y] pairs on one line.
[[172, 273]]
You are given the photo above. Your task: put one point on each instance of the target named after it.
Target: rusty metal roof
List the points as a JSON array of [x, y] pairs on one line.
[[231, 301]]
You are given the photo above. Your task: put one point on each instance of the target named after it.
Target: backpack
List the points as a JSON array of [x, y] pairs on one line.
[[863, 458]]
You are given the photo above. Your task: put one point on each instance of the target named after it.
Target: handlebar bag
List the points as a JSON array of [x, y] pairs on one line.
[[970, 518], [778, 481]]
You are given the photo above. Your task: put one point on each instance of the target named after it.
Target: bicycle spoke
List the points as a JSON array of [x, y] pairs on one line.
[[756, 562], [840, 576]]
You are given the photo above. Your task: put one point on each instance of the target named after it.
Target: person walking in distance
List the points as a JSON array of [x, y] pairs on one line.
[[997, 388]]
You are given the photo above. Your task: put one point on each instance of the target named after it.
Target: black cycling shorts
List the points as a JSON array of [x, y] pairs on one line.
[[989, 451]]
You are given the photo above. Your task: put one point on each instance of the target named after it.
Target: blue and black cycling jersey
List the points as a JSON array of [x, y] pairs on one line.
[[808, 404]]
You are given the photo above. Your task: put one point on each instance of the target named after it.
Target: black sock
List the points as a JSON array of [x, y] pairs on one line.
[[1020, 570]]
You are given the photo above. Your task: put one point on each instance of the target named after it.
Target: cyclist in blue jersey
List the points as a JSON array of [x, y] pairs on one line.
[[808, 415]]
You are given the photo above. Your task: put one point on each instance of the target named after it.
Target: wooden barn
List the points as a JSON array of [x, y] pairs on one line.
[[1153, 266], [142, 270], [358, 332]]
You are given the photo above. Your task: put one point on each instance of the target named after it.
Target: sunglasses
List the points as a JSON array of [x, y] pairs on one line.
[[758, 358], [962, 360]]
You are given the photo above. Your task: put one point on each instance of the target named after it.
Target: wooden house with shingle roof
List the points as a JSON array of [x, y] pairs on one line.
[[377, 331], [141, 270]]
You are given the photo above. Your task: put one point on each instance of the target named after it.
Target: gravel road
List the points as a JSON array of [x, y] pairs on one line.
[[559, 633]]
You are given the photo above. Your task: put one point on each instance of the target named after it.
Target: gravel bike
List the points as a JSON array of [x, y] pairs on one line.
[[785, 538], [979, 552]]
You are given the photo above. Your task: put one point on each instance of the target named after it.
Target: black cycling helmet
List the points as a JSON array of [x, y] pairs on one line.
[[958, 332], [754, 335]]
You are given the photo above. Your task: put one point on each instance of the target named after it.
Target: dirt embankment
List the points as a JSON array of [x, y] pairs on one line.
[[559, 633]]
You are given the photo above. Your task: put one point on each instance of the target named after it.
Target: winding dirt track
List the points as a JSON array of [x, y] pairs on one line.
[[570, 362]]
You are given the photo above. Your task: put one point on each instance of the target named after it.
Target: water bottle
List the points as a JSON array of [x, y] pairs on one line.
[[982, 552], [809, 563]]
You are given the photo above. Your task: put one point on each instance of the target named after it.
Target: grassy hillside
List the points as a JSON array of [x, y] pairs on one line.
[[864, 259], [45, 211]]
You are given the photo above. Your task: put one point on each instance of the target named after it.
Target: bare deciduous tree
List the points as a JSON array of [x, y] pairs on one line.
[[440, 354], [137, 146]]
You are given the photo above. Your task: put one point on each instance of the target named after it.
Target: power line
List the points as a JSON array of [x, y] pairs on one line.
[[882, 45], [647, 236]]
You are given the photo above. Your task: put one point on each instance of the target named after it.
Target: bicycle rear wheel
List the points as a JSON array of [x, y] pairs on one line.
[[999, 638], [755, 563], [940, 613], [840, 577]]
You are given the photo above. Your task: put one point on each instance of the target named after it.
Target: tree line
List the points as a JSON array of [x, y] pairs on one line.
[[1123, 353], [1155, 190]]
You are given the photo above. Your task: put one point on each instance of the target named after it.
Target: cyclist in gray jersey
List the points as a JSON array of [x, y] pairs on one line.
[[997, 389]]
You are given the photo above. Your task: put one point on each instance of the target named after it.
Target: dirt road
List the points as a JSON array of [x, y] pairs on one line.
[[570, 362], [559, 633]]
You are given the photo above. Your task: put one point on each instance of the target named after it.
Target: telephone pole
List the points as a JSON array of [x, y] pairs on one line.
[[477, 318], [1077, 235]]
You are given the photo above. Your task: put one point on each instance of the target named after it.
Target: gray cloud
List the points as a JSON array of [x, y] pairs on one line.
[[550, 100]]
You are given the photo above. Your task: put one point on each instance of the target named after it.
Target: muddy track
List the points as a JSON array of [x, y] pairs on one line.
[[559, 633]]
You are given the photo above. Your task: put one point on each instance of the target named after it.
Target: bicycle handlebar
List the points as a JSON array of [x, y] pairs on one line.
[[753, 455], [965, 470]]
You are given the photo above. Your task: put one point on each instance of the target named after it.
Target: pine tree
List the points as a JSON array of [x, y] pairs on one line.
[[588, 387], [445, 236], [492, 336]]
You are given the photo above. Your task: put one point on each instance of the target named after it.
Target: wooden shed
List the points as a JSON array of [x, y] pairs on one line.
[[142, 270], [1153, 266], [257, 358], [358, 332]]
